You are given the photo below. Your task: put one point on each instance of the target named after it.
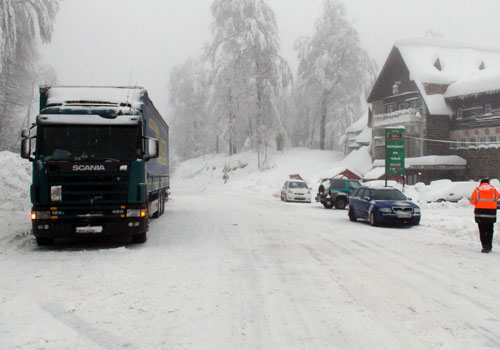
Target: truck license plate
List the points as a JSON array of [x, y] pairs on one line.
[[89, 229]]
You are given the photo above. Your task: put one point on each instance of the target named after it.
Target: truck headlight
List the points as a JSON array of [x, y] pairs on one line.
[[40, 215], [56, 193], [136, 213]]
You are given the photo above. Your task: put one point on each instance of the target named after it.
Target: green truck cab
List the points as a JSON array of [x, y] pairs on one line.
[[100, 163]]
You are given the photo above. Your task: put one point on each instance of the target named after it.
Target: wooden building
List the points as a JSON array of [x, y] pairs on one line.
[[447, 96]]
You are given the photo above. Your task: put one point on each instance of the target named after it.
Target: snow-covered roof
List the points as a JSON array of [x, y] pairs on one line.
[[375, 173], [365, 136], [358, 125], [428, 161], [481, 81], [434, 61], [111, 95]]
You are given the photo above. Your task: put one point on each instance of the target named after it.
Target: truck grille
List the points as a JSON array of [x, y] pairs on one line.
[[91, 189]]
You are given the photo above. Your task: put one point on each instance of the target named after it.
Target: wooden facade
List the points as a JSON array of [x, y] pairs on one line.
[[470, 128]]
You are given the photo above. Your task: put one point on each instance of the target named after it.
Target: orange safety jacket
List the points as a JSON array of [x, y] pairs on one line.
[[485, 196]]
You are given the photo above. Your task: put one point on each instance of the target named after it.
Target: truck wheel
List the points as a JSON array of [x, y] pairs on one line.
[[162, 206], [352, 217], [158, 212], [43, 241], [139, 238], [328, 204], [340, 203]]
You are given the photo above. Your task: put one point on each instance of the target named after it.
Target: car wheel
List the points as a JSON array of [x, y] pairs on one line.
[[373, 220], [286, 198], [340, 203], [352, 217], [328, 204]]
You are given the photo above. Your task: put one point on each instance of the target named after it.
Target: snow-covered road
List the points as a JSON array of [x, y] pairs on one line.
[[224, 271]]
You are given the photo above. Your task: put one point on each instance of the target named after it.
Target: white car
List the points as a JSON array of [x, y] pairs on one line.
[[448, 191], [296, 191]]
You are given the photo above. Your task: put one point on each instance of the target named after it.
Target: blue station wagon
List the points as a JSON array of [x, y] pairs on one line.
[[383, 206]]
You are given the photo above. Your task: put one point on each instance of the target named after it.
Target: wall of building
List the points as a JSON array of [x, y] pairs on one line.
[[436, 127], [481, 162]]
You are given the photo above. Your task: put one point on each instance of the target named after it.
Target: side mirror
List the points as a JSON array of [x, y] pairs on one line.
[[366, 198], [25, 148], [26, 145], [152, 149]]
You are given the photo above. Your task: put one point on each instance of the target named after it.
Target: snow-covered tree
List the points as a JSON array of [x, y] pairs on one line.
[[187, 103], [248, 75], [21, 23], [333, 74]]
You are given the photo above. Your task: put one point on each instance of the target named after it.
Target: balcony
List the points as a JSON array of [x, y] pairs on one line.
[[397, 118]]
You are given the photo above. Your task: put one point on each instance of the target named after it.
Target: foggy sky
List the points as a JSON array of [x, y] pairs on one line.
[[123, 42]]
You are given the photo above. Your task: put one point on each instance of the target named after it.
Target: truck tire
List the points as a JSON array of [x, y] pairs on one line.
[[161, 206], [340, 203], [44, 241], [139, 238]]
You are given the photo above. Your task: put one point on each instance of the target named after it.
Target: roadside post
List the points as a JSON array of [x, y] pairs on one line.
[[395, 152]]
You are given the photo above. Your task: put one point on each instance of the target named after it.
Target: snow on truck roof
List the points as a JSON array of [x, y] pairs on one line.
[[115, 95]]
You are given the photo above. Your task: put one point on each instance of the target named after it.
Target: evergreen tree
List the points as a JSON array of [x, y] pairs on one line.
[[333, 74], [248, 76], [21, 23], [188, 118]]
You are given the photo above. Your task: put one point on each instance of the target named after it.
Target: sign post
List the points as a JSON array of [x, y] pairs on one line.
[[394, 152]]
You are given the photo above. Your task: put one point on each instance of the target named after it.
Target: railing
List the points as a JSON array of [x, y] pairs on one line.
[[397, 117]]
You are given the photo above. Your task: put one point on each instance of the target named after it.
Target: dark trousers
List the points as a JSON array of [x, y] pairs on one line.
[[486, 234]]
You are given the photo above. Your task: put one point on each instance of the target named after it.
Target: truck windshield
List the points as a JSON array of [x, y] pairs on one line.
[[88, 142]]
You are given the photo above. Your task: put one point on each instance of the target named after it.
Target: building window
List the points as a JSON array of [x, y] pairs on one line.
[[482, 139], [379, 141], [438, 65], [463, 143], [493, 139], [453, 145], [413, 104], [487, 108], [395, 87], [459, 113]]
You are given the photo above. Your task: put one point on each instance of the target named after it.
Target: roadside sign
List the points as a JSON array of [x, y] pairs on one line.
[[395, 151]]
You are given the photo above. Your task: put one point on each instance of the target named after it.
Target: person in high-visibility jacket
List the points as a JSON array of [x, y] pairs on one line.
[[484, 198]]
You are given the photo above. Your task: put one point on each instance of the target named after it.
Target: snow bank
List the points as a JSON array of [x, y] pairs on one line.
[[15, 181]]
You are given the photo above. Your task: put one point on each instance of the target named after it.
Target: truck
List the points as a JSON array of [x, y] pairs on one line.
[[100, 163]]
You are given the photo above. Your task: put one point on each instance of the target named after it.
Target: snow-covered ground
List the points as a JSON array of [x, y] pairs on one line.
[[230, 266]]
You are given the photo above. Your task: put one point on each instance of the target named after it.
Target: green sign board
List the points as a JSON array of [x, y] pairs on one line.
[[395, 151]]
